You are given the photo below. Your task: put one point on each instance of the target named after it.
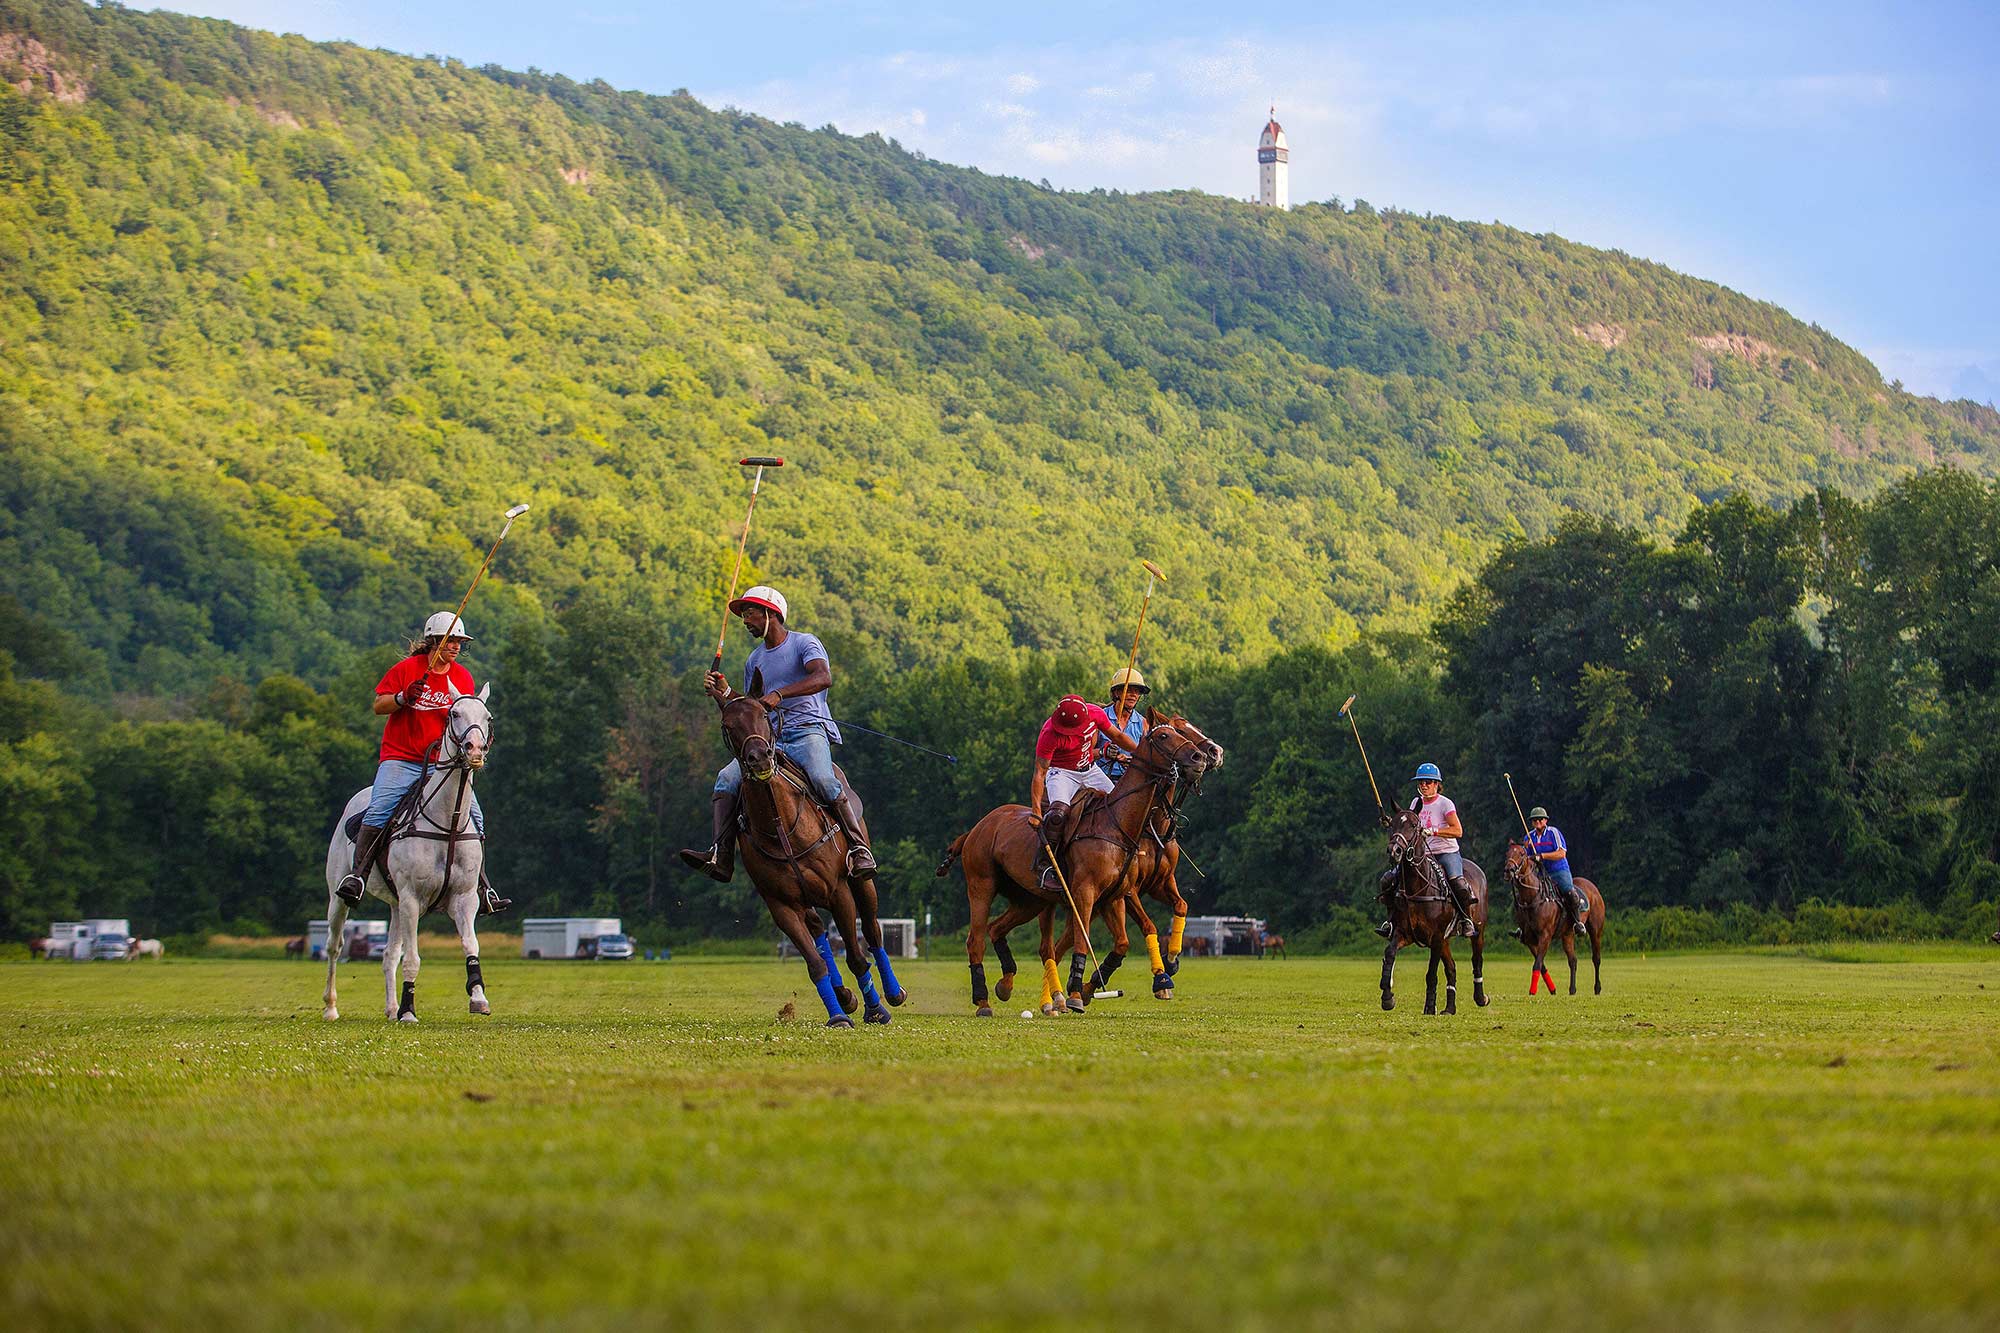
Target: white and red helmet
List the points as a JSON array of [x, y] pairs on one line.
[[762, 595]]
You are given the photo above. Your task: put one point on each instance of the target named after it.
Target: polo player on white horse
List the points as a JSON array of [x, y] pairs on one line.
[[437, 736]]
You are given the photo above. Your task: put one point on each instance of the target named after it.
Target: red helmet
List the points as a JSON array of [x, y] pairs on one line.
[[1072, 714]]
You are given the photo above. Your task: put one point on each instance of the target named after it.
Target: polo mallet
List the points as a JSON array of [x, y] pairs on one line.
[[948, 758], [760, 463], [1517, 804], [1347, 711], [1074, 912], [437, 658], [1152, 572]]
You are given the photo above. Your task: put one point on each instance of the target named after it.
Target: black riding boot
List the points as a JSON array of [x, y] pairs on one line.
[[489, 897], [1052, 822], [860, 861], [1579, 915], [1461, 898], [367, 844], [719, 861]]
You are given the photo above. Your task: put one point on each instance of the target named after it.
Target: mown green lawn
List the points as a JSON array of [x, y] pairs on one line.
[[1716, 1141]]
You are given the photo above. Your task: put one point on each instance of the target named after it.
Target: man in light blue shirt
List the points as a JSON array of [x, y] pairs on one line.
[[788, 672]]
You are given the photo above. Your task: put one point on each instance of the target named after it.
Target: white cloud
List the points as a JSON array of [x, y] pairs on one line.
[[1022, 84]]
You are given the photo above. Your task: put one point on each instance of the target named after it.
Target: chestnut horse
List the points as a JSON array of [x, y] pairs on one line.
[[797, 857], [1420, 911], [1156, 865], [1106, 835], [1541, 916]]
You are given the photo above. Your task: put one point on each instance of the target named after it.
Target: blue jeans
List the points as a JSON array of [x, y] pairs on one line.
[[1567, 883], [1452, 863], [392, 779], [806, 746]]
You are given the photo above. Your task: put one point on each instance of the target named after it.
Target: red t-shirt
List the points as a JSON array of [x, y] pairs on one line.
[[411, 732], [1077, 749]]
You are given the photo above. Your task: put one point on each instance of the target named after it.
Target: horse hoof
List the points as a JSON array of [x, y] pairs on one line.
[[1388, 1000], [331, 1014], [481, 1007], [406, 1018], [1483, 1000], [1076, 1004], [849, 1001], [983, 1011], [897, 999], [876, 1016], [840, 1021], [1004, 988], [1051, 1010]]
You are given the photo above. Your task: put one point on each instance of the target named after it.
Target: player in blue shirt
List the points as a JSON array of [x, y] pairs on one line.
[[1546, 845], [789, 674]]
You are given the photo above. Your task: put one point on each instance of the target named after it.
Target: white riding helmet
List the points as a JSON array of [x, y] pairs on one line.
[[445, 625], [767, 597]]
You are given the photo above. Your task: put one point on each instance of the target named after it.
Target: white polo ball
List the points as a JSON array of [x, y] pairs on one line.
[[1027, 1013]]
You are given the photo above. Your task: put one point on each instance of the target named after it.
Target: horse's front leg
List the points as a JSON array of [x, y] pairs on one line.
[[1431, 983], [816, 928], [1084, 907], [1569, 951], [1450, 980], [1389, 974], [1479, 995], [840, 898], [336, 940], [1051, 979], [791, 922], [464, 909], [1114, 915], [403, 919]]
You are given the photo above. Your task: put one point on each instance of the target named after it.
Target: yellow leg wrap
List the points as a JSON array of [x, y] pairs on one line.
[[1174, 939], [1051, 981], [1153, 953]]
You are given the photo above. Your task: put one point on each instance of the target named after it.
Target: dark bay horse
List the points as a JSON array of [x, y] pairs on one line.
[[797, 857], [998, 855], [1420, 911], [1538, 911]]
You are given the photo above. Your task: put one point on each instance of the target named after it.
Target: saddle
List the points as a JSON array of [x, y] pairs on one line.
[[792, 771], [402, 824]]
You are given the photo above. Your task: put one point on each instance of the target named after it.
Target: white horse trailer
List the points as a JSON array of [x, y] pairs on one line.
[[566, 936], [1227, 935], [899, 938], [372, 935], [74, 941]]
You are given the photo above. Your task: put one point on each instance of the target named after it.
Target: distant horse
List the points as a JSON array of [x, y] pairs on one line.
[[1541, 916], [295, 947], [1271, 943], [1200, 946], [432, 863], [38, 947], [1420, 912], [796, 854], [1105, 834], [146, 949]]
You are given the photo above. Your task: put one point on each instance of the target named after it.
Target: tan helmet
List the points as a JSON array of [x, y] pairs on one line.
[[1127, 676]]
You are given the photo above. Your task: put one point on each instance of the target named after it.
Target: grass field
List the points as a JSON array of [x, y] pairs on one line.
[[1763, 1141]]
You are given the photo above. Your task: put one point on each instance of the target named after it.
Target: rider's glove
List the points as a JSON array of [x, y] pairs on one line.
[[411, 693]]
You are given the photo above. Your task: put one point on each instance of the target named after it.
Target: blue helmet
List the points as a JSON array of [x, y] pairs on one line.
[[1428, 773]]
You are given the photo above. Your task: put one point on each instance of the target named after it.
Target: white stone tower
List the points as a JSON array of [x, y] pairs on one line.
[[1274, 186]]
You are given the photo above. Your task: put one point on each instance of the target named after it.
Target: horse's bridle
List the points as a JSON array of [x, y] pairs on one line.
[[459, 739], [1407, 840]]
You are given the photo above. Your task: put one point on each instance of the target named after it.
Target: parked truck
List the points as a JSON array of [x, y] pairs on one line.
[[104, 938]]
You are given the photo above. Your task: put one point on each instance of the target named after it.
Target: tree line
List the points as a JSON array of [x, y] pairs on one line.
[[1782, 710]]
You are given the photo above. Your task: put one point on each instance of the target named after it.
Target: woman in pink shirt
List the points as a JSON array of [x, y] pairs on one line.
[[1439, 816]]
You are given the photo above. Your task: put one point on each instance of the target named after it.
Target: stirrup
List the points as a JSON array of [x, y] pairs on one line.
[[490, 896], [1386, 929], [350, 895]]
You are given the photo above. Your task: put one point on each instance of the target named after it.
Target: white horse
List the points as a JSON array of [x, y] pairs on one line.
[[417, 862], [148, 949]]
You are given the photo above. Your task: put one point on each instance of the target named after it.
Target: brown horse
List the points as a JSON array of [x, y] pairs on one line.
[[1272, 943], [797, 857], [1106, 834], [1155, 876], [1421, 912], [1539, 912], [295, 947]]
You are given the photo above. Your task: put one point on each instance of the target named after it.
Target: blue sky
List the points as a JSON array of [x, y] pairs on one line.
[[1840, 159]]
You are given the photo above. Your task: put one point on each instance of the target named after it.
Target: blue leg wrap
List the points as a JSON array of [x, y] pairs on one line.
[[827, 997], [866, 981], [825, 947], [889, 982]]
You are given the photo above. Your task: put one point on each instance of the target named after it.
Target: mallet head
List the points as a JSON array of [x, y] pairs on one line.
[[1154, 570], [759, 461], [1349, 704], [517, 511]]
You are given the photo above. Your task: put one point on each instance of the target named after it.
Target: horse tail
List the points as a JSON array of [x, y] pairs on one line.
[[951, 854]]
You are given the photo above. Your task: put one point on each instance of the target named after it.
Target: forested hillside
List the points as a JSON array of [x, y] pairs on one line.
[[286, 326]]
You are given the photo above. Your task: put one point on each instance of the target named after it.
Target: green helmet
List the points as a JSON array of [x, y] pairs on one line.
[[1538, 813]]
